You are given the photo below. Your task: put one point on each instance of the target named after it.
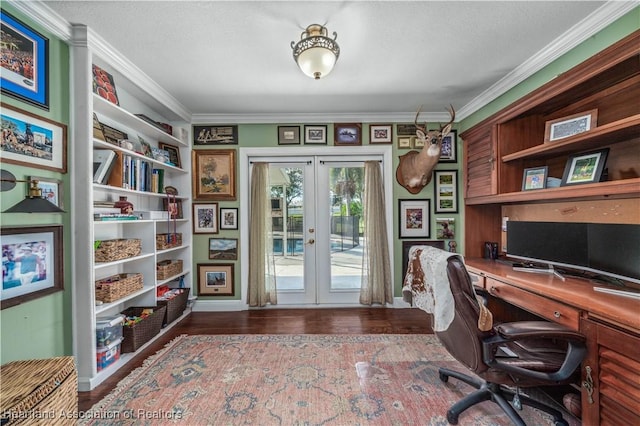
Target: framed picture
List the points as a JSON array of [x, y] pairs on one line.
[[406, 248], [205, 218], [223, 248], [417, 142], [228, 218], [315, 134], [380, 133], [406, 129], [52, 189], [446, 191], [288, 135], [449, 147], [534, 178], [570, 125], [33, 141], [584, 168], [174, 153], [415, 218], [32, 263], [215, 279], [103, 85], [445, 228], [215, 135], [29, 81], [214, 174], [174, 207], [404, 142], [347, 134]]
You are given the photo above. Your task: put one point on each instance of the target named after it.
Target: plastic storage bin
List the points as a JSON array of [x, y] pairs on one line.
[[108, 355], [108, 330]]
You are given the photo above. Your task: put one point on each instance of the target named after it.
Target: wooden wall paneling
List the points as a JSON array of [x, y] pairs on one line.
[[625, 210]]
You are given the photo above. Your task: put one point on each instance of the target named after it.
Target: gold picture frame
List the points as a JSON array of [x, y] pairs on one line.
[[214, 174]]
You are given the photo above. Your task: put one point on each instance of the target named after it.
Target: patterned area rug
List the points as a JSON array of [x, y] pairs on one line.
[[295, 380]]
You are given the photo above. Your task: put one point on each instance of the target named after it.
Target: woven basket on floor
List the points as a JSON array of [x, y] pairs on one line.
[[118, 286], [137, 335], [168, 268], [112, 250], [42, 387], [175, 306]]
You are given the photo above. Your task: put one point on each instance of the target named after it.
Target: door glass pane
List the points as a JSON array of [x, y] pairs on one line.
[[345, 201]]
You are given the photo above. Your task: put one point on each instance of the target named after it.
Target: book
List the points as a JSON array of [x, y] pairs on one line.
[[103, 162]]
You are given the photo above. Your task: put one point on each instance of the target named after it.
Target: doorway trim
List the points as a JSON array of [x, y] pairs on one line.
[[244, 154]]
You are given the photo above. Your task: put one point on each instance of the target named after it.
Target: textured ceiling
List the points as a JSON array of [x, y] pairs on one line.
[[234, 57]]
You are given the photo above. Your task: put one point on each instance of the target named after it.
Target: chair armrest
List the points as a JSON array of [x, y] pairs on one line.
[[526, 330]]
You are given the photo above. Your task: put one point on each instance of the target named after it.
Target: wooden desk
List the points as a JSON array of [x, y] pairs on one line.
[[610, 376]]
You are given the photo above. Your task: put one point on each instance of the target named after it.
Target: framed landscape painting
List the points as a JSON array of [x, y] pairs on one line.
[[214, 174]]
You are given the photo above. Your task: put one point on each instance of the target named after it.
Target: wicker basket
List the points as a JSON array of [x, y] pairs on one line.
[[118, 286], [112, 250], [41, 387], [168, 268], [175, 306], [137, 335], [167, 241]]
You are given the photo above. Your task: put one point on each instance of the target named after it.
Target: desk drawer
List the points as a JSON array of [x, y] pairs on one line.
[[539, 305]]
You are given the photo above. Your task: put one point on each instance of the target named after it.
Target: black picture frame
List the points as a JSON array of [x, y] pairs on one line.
[[223, 248], [534, 178], [315, 134], [445, 191], [30, 82], [205, 134], [585, 167], [288, 135], [414, 218], [449, 148], [47, 276], [229, 218], [174, 153], [406, 246]]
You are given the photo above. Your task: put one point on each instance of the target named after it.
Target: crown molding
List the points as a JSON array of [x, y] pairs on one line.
[[319, 118], [596, 21]]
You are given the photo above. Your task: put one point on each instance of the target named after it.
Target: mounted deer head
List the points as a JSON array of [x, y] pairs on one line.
[[416, 167]]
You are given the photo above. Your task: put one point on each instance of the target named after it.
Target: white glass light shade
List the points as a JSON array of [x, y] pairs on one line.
[[315, 53]]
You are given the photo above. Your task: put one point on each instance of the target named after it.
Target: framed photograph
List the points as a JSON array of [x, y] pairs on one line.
[[380, 133], [103, 85], [214, 174], [584, 168], [215, 279], [347, 134], [205, 218], [215, 135], [534, 178], [32, 141], [570, 125], [406, 248], [52, 189], [316, 134], [445, 228], [406, 129], [32, 263], [174, 153], [223, 248], [228, 218], [417, 142], [446, 191], [174, 207], [288, 135], [449, 148], [24, 72], [404, 142], [415, 218]]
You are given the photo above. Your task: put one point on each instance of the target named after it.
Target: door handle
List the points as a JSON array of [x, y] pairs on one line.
[[311, 241]]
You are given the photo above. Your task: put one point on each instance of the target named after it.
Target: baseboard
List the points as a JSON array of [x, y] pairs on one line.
[[238, 305]]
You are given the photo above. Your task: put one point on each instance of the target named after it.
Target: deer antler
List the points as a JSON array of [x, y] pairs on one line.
[[418, 127], [452, 113]]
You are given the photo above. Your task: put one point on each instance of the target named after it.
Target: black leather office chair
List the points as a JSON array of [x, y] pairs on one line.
[[507, 356]]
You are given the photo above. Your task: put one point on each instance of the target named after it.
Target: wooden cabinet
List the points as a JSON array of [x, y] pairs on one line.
[[500, 148], [610, 376]]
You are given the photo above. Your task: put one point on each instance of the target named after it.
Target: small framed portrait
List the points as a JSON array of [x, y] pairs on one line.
[[347, 134], [215, 135], [584, 168], [446, 191], [288, 135], [534, 178], [228, 218], [32, 263], [445, 228], [52, 189], [405, 142], [415, 219], [223, 248], [570, 125], [316, 134], [30, 82], [380, 133], [215, 279], [205, 218], [174, 153], [448, 147], [214, 174]]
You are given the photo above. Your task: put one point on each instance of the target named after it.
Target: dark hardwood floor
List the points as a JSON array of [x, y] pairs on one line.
[[275, 321]]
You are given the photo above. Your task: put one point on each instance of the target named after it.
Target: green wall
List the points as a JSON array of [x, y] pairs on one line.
[[40, 328]]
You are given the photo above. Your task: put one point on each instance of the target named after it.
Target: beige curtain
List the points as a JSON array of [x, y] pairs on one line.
[[262, 280], [376, 267]]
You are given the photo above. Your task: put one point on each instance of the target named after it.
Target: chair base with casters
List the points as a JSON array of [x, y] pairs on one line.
[[496, 393]]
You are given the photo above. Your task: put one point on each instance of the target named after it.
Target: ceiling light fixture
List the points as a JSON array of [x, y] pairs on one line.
[[315, 53], [33, 202]]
